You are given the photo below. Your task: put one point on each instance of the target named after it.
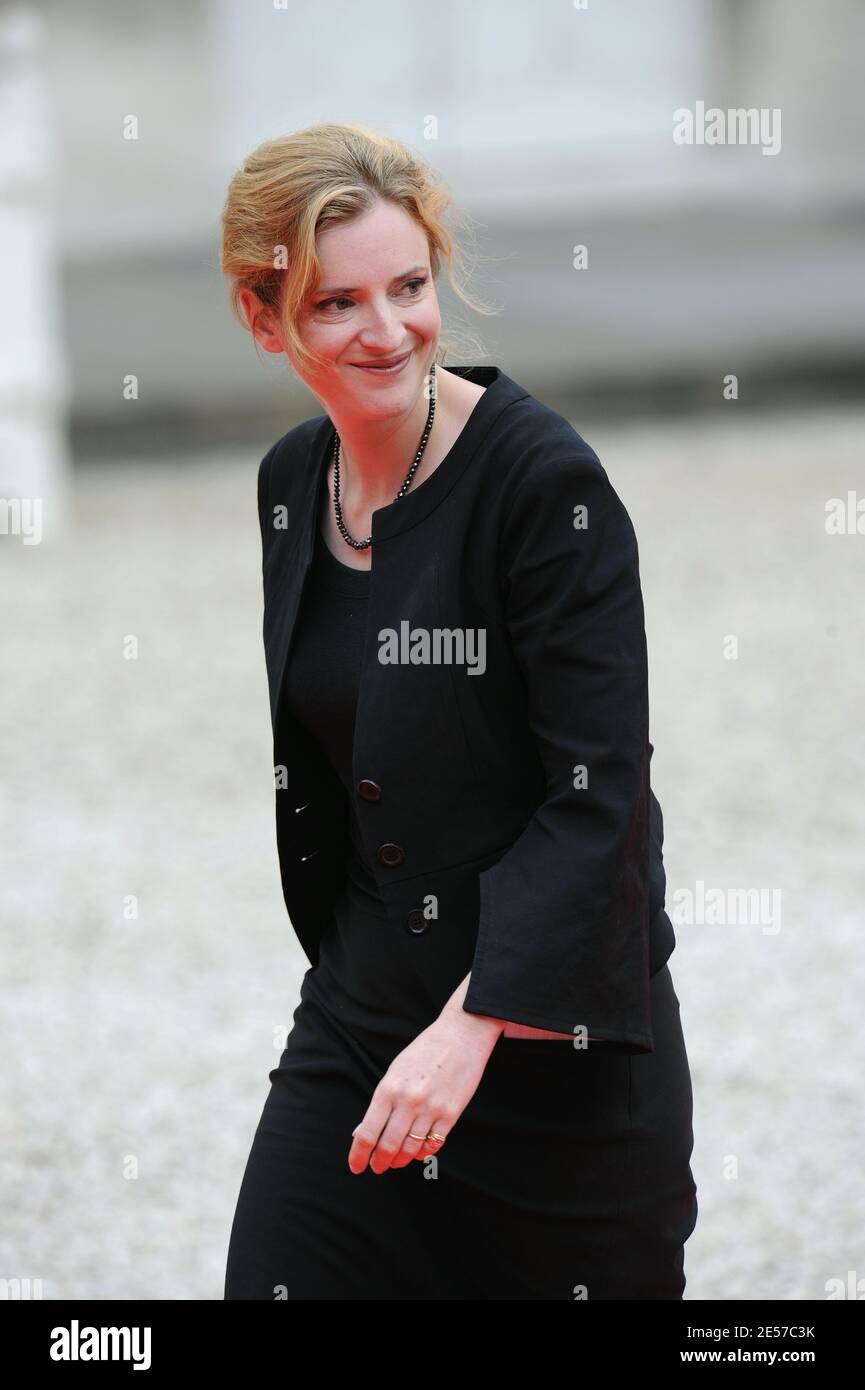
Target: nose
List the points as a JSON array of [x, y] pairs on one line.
[[382, 326]]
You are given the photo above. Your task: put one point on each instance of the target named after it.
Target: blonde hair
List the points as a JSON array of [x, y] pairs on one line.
[[291, 188]]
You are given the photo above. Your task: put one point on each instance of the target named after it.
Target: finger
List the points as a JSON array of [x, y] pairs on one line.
[[413, 1147], [393, 1136], [431, 1146], [368, 1132]]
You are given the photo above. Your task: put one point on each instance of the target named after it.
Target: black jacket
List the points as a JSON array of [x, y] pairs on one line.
[[487, 843]]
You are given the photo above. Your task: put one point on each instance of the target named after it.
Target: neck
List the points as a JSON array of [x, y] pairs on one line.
[[375, 455]]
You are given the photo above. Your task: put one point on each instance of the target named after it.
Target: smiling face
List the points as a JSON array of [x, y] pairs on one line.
[[374, 317]]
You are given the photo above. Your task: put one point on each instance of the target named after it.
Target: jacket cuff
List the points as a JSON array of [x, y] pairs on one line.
[[526, 986]]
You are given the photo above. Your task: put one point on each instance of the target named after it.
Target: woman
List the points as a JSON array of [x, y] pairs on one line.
[[469, 847]]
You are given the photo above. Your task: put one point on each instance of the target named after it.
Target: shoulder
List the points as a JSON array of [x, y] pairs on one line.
[[539, 457], [555, 496]]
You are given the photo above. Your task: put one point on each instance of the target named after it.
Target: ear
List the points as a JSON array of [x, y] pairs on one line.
[[263, 321]]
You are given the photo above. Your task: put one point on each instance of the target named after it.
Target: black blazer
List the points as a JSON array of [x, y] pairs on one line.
[[487, 842]]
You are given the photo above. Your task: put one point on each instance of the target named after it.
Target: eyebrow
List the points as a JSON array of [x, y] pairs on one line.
[[352, 289]]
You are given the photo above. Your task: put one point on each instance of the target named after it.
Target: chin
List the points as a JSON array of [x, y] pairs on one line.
[[394, 393], [385, 405]]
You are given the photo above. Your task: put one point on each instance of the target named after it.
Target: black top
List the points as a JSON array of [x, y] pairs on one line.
[[323, 678], [366, 975]]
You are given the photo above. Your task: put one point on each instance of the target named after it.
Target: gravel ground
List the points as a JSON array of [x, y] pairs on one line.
[[136, 1049]]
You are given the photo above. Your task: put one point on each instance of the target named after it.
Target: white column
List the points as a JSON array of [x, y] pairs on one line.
[[34, 387]]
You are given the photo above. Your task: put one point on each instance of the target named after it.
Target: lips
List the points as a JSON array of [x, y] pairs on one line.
[[384, 367]]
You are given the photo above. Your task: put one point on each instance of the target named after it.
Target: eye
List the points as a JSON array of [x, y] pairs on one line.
[[338, 299]]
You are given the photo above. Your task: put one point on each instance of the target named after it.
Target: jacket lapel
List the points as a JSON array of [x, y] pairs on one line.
[[288, 562]]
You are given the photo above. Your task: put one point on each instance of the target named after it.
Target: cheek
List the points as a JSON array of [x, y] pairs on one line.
[[428, 319], [329, 339], [331, 342]]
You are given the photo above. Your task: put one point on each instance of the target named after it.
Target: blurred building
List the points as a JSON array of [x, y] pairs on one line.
[[552, 124]]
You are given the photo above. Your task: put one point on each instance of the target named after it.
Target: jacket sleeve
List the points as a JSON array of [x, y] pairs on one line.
[[563, 934]]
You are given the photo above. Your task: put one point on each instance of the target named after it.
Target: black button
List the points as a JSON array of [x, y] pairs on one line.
[[391, 855], [370, 791], [416, 923]]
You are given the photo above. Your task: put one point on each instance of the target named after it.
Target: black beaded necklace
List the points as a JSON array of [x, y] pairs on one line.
[[361, 545]]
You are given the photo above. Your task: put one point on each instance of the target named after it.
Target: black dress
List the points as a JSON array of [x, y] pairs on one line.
[[567, 1176]]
